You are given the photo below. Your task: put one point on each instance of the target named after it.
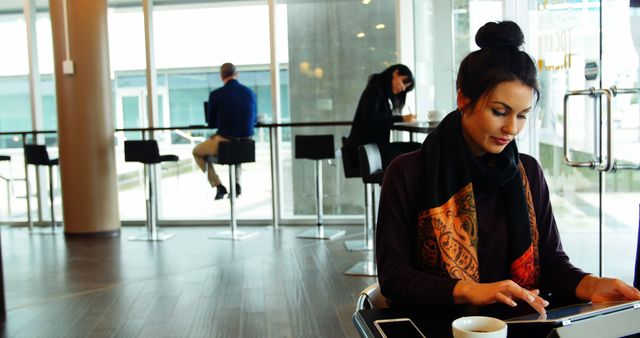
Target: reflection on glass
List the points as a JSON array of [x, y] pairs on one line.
[[337, 46]]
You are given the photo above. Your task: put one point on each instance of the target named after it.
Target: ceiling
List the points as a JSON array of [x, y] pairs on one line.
[[15, 6]]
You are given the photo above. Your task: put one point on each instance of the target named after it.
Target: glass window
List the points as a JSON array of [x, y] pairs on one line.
[[15, 100], [333, 48], [187, 70]]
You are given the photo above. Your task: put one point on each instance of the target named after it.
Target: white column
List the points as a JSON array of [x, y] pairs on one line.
[[445, 69], [275, 108], [152, 102], [405, 45], [35, 96]]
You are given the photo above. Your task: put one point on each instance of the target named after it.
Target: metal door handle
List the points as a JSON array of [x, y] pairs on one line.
[[617, 166], [593, 92]]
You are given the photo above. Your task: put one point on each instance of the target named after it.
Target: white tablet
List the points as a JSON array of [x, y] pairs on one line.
[[568, 314]]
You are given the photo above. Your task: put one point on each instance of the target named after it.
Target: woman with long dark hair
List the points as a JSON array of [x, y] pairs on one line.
[[466, 221], [379, 107]]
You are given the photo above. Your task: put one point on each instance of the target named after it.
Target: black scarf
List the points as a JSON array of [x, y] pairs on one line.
[[447, 226]]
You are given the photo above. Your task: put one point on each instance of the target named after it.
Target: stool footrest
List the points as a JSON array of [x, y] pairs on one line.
[[321, 233]]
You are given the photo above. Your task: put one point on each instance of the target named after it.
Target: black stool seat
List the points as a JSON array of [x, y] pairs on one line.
[[169, 158], [314, 147], [36, 154], [5, 158], [236, 152], [145, 151]]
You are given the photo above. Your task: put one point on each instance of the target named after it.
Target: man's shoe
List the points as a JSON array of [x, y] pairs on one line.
[[221, 191], [238, 190]]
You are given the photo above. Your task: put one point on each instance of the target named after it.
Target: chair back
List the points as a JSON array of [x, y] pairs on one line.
[[350, 162], [371, 298], [143, 151], [236, 152], [371, 163], [314, 147], [36, 154], [636, 278]]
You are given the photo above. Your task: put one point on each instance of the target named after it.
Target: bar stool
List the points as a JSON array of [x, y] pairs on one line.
[[147, 152], [351, 165], [372, 175], [36, 154], [233, 153], [317, 148], [9, 181]]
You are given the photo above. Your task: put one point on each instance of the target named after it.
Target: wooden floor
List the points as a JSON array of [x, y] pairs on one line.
[[271, 285]]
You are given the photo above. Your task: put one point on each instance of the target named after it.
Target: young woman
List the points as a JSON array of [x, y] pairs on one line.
[[385, 93], [467, 219]]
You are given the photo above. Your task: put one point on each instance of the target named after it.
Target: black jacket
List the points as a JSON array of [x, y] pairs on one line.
[[373, 120]]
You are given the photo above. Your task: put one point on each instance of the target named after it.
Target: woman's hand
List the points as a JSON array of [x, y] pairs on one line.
[[409, 118], [506, 291], [600, 290]]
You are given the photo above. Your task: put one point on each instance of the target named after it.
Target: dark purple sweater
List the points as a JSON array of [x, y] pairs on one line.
[[401, 281]]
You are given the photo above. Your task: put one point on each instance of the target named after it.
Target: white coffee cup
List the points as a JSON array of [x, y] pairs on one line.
[[435, 115], [479, 327]]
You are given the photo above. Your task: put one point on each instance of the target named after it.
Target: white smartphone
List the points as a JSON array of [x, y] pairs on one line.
[[398, 328]]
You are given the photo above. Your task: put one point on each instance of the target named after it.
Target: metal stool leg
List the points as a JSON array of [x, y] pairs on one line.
[[53, 217], [365, 244], [368, 267], [151, 206], [319, 194], [320, 232], [233, 233], [28, 193]]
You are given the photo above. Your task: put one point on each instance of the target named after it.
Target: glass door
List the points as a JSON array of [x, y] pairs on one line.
[[589, 126], [621, 55]]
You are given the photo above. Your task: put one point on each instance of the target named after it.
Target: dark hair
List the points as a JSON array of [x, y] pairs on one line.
[[499, 59], [227, 70], [383, 80]]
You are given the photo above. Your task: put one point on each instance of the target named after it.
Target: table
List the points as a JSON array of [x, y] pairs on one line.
[[422, 127], [437, 324]]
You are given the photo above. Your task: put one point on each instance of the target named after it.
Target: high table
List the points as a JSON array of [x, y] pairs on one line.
[[438, 324], [415, 127], [433, 324]]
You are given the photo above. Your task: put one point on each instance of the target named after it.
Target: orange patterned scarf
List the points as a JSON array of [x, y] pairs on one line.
[[448, 229]]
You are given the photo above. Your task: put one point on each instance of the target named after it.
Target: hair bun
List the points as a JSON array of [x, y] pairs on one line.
[[500, 34]]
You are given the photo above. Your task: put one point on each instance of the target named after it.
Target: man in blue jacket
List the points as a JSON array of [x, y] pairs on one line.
[[233, 108]]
